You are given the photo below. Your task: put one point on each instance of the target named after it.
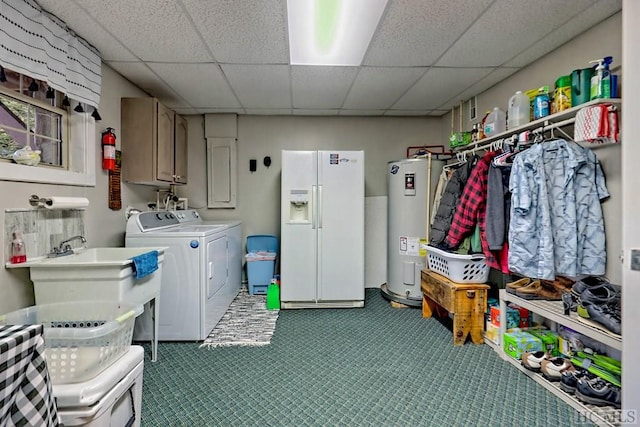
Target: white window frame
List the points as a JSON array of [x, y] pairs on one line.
[[80, 154]]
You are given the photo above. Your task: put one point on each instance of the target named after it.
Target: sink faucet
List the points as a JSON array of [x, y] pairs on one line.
[[65, 248]]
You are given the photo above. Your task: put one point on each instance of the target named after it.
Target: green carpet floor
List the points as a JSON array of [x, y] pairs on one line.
[[376, 366]]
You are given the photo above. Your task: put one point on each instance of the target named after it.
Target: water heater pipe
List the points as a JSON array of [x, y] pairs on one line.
[[428, 190]]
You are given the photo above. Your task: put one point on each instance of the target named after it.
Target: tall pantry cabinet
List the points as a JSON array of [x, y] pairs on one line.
[[154, 143]]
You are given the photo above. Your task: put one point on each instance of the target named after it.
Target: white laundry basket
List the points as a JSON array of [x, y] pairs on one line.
[[458, 268], [82, 338]]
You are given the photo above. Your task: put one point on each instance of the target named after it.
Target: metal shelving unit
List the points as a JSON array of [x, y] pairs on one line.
[[553, 310]]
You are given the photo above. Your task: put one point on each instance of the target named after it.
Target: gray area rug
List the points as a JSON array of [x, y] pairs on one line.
[[247, 322]]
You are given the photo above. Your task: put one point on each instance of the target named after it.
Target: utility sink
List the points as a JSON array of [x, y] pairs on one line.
[[94, 257], [98, 274]]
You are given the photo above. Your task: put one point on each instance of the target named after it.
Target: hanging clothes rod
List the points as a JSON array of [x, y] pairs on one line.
[[496, 143]]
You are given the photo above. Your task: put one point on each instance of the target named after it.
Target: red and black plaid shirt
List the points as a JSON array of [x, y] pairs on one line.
[[471, 209]]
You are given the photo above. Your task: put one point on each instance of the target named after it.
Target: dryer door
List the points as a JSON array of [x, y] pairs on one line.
[[217, 265]]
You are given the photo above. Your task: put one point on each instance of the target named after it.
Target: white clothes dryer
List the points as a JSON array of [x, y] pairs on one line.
[[201, 273]]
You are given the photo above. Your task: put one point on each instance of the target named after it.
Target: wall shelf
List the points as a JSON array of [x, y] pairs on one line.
[[553, 310], [556, 120]]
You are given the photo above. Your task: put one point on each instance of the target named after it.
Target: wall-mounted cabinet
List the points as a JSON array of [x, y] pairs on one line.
[[154, 143]]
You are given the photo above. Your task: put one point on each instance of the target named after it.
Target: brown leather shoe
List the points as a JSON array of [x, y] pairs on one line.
[[513, 286], [538, 290], [562, 284]]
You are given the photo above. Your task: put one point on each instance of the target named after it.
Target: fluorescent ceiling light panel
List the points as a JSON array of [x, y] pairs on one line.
[[331, 32]]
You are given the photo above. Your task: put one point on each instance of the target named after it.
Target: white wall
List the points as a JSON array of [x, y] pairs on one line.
[[603, 40], [103, 227]]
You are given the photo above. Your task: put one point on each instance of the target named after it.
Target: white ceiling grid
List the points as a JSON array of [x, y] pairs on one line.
[[222, 56]]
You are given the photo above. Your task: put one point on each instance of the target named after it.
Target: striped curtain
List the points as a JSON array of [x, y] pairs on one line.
[[39, 45]]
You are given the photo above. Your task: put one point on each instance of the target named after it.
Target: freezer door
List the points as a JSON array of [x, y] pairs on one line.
[[298, 232], [341, 225]]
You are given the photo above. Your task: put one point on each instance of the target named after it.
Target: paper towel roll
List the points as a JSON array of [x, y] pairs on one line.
[[57, 202]]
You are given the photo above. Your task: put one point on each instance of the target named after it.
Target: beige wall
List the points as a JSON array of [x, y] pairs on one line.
[[103, 227], [602, 40], [383, 139]]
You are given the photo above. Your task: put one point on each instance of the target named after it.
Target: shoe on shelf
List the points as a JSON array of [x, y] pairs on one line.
[[553, 368], [598, 392], [533, 361], [513, 286], [569, 379], [563, 284], [585, 283], [605, 315], [538, 290], [600, 294]]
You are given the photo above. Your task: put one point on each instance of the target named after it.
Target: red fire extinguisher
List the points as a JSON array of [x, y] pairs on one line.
[[108, 149]]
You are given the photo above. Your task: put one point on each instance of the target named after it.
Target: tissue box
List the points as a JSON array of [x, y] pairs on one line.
[[549, 340], [524, 316], [518, 342], [513, 317]]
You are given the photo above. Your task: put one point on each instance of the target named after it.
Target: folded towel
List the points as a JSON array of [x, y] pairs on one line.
[[597, 124], [145, 264]]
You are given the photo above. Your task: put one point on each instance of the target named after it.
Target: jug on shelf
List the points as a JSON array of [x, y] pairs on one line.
[[581, 86]]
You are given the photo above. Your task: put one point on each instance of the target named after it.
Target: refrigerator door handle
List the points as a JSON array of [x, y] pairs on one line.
[[319, 206], [314, 194]]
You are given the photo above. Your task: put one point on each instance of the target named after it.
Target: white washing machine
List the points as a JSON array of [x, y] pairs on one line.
[[112, 398], [201, 273]]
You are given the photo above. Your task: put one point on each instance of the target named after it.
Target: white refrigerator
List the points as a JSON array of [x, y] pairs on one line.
[[322, 229]]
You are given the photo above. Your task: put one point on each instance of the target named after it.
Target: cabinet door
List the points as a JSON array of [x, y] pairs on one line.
[[180, 150], [165, 145]]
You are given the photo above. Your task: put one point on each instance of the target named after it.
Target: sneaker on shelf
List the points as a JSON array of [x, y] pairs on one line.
[[533, 361], [587, 282], [600, 294], [553, 368], [598, 392], [513, 286], [602, 314], [569, 379]]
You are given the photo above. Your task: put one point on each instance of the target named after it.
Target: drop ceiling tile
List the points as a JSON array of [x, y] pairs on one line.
[[587, 19], [320, 87], [378, 88], [154, 30], [437, 113], [247, 32], [314, 112], [201, 85], [260, 86], [141, 75], [361, 112], [499, 34], [269, 111], [86, 27], [491, 79], [437, 86], [417, 32]]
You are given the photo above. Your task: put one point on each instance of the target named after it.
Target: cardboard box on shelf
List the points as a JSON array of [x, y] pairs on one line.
[[492, 332], [517, 317], [517, 342], [549, 340]]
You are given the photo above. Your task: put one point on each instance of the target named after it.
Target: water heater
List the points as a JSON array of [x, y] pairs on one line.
[[410, 187]]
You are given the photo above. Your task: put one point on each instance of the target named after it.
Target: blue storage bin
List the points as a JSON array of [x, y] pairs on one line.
[[261, 271]]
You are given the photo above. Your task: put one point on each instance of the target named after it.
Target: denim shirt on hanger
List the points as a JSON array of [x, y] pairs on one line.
[[556, 225]]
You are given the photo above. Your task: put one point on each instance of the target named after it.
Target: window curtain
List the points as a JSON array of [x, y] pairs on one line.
[[37, 44]]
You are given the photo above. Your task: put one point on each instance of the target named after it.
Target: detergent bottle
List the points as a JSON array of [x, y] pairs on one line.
[[601, 80], [273, 295]]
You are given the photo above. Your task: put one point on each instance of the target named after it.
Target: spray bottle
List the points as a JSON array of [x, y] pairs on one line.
[[601, 80]]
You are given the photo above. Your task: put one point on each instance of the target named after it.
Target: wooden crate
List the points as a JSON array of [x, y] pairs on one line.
[[466, 301]]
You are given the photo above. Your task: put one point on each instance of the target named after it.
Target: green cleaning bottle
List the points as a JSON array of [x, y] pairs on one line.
[[273, 295]]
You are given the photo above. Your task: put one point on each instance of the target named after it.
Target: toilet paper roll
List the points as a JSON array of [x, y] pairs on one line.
[[57, 202]]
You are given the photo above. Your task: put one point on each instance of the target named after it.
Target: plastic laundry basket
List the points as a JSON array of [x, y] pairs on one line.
[[458, 268], [81, 338], [262, 250]]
